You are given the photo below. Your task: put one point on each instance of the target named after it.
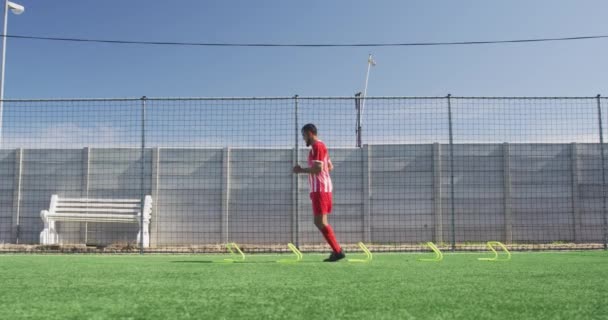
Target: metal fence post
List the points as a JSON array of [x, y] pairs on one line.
[[358, 123], [605, 218], [84, 189], [154, 190], [576, 201], [142, 173], [296, 214], [506, 175], [225, 195], [437, 194], [17, 185], [366, 152], [452, 198]]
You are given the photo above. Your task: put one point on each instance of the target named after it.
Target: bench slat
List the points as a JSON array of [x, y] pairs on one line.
[[97, 200], [100, 220], [95, 217], [83, 210], [95, 205]]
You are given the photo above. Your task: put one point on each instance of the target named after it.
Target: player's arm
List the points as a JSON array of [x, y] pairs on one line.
[[319, 152], [317, 167], [330, 166]]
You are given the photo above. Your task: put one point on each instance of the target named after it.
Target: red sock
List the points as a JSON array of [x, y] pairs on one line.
[[330, 237]]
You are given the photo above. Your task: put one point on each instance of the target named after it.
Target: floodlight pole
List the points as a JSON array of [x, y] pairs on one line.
[[360, 103], [369, 66], [358, 120], [17, 9]]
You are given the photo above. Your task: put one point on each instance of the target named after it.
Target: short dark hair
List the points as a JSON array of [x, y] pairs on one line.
[[310, 128]]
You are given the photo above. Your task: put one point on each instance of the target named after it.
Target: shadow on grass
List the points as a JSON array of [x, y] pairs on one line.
[[240, 262]]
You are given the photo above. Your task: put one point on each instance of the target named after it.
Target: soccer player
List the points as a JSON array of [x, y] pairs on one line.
[[319, 166]]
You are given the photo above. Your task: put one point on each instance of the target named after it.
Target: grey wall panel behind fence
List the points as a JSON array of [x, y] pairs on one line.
[[211, 196]]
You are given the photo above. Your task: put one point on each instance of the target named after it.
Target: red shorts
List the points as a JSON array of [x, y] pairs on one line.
[[321, 203]]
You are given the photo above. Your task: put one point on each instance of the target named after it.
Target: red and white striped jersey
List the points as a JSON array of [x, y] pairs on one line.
[[320, 182]]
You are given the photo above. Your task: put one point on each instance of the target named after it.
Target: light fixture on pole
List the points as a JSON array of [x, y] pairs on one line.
[[16, 9], [360, 103], [370, 63]]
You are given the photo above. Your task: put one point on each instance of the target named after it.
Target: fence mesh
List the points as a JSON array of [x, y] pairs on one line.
[[191, 174]]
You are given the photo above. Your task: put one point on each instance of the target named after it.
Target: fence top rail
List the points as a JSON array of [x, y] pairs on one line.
[[528, 98], [305, 98], [71, 100], [298, 97]]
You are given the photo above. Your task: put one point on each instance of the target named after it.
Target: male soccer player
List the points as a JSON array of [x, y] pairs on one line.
[[319, 166]]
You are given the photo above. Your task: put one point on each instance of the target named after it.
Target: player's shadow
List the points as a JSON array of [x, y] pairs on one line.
[[221, 262], [236, 262]]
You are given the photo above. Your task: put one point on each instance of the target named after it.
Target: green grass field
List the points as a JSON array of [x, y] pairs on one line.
[[553, 285]]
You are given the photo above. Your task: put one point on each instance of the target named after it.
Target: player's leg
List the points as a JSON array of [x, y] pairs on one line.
[[327, 232], [322, 207], [320, 218], [321, 221], [329, 235]]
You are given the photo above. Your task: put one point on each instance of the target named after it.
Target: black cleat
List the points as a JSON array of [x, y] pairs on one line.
[[333, 257]]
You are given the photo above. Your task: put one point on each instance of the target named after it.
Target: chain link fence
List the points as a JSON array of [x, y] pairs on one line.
[[191, 174]]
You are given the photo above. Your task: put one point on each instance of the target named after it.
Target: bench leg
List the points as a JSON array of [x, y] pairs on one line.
[[44, 236], [49, 235], [146, 233]]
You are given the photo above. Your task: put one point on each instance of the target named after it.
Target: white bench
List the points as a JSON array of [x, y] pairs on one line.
[[95, 210]]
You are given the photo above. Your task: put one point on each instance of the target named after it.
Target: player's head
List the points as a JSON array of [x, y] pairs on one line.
[[309, 133]]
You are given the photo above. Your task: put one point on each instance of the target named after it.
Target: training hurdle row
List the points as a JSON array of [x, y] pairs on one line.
[[490, 244], [237, 255]]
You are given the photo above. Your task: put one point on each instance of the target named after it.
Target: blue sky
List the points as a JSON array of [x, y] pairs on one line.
[[40, 69], [43, 69]]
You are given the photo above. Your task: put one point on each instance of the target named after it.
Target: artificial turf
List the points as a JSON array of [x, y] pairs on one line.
[[551, 285]]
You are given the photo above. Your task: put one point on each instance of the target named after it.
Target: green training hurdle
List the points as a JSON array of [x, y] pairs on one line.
[[294, 249], [368, 254], [491, 245], [438, 254], [232, 246]]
